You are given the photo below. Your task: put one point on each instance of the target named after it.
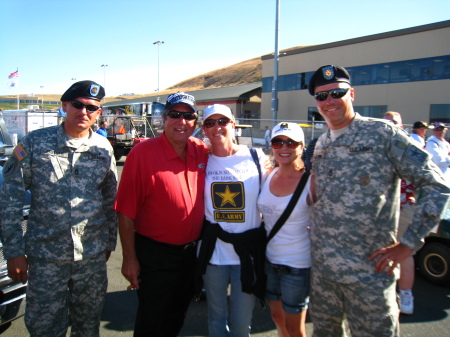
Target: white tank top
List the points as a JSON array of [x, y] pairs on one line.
[[291, 245]]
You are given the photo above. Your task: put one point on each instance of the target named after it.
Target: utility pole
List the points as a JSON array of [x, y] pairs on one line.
[[275, 67], [42, 96], [104, 74]]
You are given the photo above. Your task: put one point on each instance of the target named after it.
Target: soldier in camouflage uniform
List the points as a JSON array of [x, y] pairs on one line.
[[72, 228], [357, 169]]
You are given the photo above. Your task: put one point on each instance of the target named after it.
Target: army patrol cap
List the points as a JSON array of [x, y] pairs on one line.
[[326, 75], [180, 98], [85, 89]]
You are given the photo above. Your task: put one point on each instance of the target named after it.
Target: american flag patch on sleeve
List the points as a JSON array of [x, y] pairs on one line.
[[20, 153]]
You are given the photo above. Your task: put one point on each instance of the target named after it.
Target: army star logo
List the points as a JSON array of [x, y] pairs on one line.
[[416, 154], [228, 197]]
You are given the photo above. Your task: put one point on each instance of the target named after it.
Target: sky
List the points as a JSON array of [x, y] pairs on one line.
[[54, 43]]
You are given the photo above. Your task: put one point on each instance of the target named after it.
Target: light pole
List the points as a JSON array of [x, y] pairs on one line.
[[42, 96], [104, 74], [275, 67], [158, 43]]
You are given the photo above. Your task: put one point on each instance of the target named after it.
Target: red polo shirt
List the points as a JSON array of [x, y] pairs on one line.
[[162, 193]]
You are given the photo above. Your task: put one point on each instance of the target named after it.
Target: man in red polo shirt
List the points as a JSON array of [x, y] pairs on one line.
[[160, 208]]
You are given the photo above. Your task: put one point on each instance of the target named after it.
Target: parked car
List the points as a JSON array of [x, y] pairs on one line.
[[433, 259], [12, 294]]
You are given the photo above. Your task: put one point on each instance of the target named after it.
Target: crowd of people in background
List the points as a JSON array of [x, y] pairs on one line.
[[332, 230]]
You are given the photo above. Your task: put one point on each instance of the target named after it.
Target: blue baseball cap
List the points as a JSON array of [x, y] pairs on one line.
[[180, 98]]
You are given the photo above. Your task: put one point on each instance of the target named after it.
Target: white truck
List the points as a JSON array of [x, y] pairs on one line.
[[21, 122]]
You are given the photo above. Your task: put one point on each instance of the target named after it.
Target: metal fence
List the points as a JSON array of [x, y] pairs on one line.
[[312, 129]]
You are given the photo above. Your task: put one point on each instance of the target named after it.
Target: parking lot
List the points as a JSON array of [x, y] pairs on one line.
[[430, 318]]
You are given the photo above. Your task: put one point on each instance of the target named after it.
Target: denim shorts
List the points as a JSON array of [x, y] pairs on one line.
[[288, 285]]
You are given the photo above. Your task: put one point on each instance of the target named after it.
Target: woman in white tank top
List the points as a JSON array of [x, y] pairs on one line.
[[288, 252]]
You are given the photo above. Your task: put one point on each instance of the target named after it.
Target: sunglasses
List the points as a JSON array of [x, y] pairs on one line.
[[335, 93], [80, 105], [189, 116], [277, 143], [209, 123]]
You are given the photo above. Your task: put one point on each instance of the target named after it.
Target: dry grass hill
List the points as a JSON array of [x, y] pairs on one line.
[[240, 73]]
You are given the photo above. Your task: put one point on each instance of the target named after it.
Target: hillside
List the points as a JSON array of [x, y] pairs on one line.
[[240, 73]]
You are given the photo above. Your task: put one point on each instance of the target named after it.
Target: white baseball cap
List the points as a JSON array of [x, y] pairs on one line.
[[290, 130], [218, 109]]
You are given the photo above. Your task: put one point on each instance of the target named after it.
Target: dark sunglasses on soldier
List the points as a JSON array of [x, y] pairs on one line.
[[189, 116], [209, 123], [277, 143], [335, 93], [80, 105]]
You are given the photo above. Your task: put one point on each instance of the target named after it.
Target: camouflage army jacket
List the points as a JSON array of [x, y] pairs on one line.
[[72, 193], [357, 178]]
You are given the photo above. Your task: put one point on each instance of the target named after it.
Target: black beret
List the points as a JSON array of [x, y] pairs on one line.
[[326, 75], [86, 89]]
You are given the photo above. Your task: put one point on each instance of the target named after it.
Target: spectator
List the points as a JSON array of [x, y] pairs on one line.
[[419, 132], [357, 166], [161, 208], [267, 137], [439, 148], [394, 117], [72, 229], [102, 129], [407, 207], [288, 258], [233, 243]]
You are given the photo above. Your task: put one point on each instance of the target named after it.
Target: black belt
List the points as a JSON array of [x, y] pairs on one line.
[[281, 268], [168, 245]]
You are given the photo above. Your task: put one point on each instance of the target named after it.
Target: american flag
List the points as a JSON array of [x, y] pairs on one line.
[[14, 74], [20, 153]]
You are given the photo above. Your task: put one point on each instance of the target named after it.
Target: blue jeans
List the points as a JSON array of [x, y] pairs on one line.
[[216, 281]]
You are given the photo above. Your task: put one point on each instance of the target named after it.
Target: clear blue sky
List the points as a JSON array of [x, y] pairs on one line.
[[53, 41]]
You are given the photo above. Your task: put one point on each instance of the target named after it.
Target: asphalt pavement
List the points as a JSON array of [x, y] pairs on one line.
[[430, 318]]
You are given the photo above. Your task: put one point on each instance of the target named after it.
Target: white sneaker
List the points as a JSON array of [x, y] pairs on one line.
[[406, 302]]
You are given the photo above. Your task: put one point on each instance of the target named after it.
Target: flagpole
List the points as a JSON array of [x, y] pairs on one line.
[[17, 91], [13, 77]]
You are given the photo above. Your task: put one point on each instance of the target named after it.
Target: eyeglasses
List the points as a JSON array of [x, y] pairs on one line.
[[335, 93], [80, 105], [209, 123], [277, 143], [189, 116]]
